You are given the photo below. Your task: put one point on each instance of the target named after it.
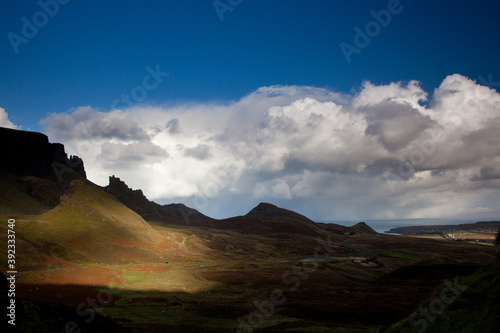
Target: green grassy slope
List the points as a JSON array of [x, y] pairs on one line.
[[85, 206], [90, 225]]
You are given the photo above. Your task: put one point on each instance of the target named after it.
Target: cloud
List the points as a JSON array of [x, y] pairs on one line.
[[277, 188], [395, 124], [386, 151], [200, 152], [133, 152], [4, 120], [173, 126], [487, 173], [87, 123]]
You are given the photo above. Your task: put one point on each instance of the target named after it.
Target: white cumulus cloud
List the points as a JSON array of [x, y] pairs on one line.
[[4, 120], [386, 151]]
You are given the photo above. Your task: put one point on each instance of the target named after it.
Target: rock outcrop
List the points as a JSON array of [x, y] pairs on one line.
[[24, 153], [151, 211]]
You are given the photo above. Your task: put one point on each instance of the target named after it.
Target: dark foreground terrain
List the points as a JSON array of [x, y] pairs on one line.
[[271, 293]]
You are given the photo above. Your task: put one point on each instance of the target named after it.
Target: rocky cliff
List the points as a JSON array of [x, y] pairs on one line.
[[31, 154]]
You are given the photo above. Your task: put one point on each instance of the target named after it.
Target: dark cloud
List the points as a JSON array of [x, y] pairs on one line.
[[200, 152], [396, 125], [133, 152], [487, 173], [173, 126], [87, 123]]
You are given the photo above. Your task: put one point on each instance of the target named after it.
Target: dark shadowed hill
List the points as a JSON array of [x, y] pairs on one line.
[[27, 195], [269, 219], [151, 211], [25, 153], [359, 228], [265, 218], [269, 210]]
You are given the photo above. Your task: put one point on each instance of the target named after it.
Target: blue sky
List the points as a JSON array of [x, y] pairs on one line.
[[90, 53]]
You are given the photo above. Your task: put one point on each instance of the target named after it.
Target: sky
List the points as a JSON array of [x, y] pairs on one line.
[[339, 110]]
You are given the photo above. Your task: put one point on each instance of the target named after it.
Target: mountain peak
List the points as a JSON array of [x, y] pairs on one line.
[[265, 206], [363, 228], [270, 210]]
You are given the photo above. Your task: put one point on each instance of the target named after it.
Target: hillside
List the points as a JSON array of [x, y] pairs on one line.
[[91, 226], [27, 195]]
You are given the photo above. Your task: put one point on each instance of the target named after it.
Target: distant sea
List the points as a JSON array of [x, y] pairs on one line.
[[385, 225]]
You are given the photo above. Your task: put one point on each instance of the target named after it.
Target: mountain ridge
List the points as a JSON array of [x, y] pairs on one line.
[[176, 213]]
